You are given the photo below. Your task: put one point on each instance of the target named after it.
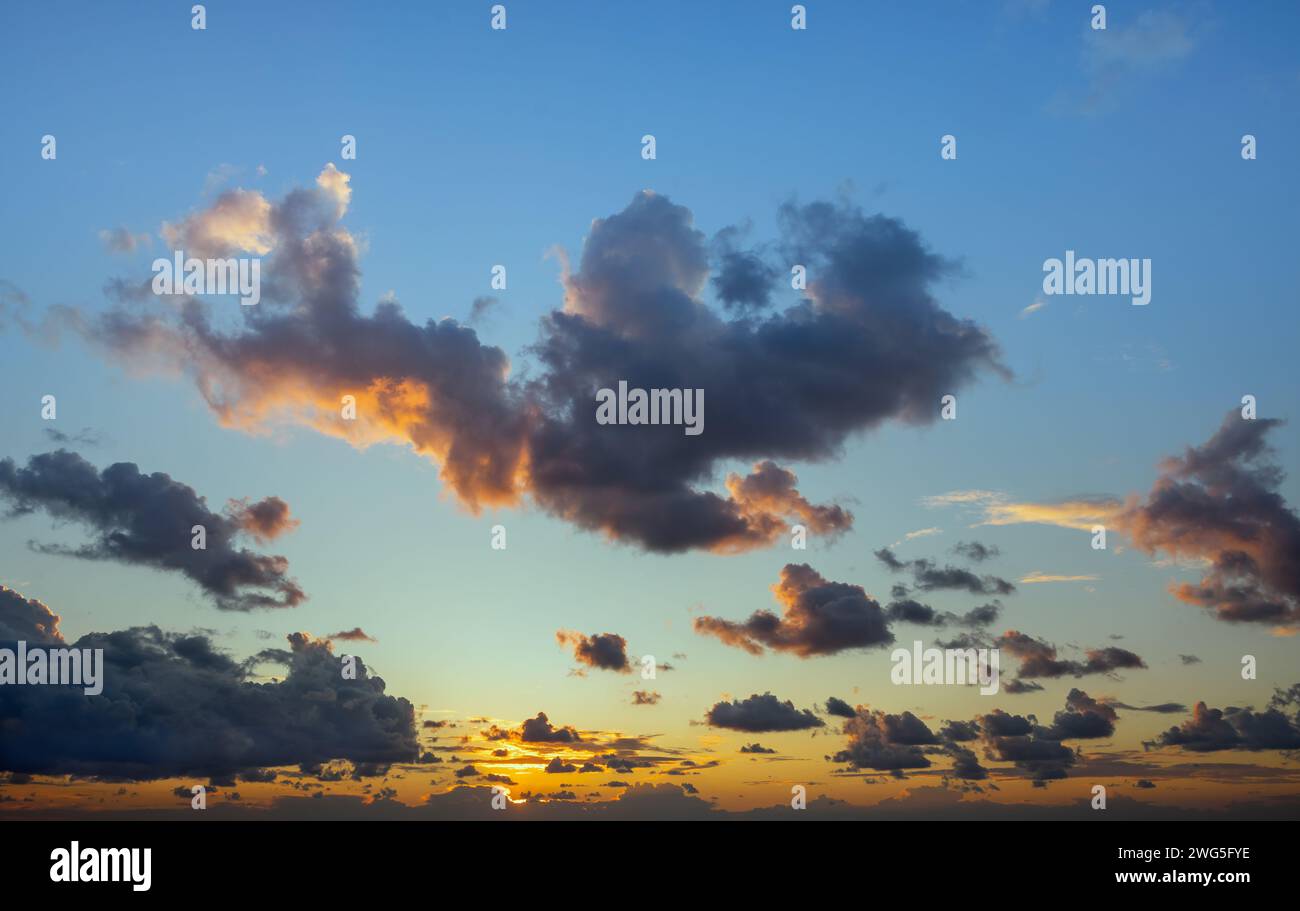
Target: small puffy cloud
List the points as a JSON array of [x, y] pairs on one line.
[[603, 651], [818, 617], [121, 240]]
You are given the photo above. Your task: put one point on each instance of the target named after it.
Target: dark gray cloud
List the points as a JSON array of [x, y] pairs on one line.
[[756, 748], [884, 742], [604, 651], [975, 551], [535, 730], [759, 714], [743, 280], [927, 576], [894, 743], [173, 705], [840, 708], [984, 615], [960, 731], [818, 617], [965, 764], [1083, 717], [909, 611], [1163, 708], [147, 520], [1275, 728], [480, 308], [1038, 750], [558, 766], [1038, 659], [83, 437], [867, 344]]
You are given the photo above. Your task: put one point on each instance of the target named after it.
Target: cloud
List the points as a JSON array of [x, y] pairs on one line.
[[868, 344], [1083, 717], [84, 437], [148, 520], [761, 714], [27, 620], [922, 533], [1216, 505], [535, 730], [604, 651], [265, 520], [1037, 577], [983, 615], [975, 551], [645, 697], [756, 748], [121, 240], [1038, 304], [1038, 751], [173, 705], [1126, 51], [818, 617], [356, 634], [1219, 502], [929, 577], [1038, 659], [886, 742], [1163, 708], [480, 307], [1233, 728], [743, 281], [837, 706], [239, 221]]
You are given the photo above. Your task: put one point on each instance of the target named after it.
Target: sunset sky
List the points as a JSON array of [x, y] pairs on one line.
[[522, 147]]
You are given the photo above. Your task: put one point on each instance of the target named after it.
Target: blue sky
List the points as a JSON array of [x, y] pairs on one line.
[[478, 147]]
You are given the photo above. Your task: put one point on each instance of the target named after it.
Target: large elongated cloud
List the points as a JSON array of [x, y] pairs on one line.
[[174, 705], [1217, 505], [147, 519], [866, 344]]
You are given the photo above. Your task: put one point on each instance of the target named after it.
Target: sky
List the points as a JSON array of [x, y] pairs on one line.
[[773, 146]]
